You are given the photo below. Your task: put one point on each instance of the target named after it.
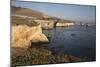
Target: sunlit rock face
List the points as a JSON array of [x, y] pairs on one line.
[[64, 24], [23, 35]]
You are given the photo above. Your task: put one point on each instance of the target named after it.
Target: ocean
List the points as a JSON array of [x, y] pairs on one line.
[[78, 41]]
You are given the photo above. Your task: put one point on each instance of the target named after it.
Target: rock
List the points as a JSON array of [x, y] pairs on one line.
[[22, 35], [46, 24], [64, 24], [39, 38]]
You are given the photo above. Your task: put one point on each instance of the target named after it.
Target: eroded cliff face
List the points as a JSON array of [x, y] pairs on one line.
[[64, 24], [23, 35]]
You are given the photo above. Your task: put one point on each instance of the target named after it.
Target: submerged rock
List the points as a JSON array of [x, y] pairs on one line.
[[22, 35]]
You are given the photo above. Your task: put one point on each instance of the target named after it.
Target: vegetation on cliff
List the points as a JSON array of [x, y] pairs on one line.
[[35, 55]]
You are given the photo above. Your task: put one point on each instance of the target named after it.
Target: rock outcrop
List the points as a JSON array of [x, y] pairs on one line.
[[46, 24], [64, 24], [23, 35]]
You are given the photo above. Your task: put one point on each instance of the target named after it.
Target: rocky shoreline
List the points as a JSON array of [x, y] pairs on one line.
[[30, 44], [30, 47], [35, 56]]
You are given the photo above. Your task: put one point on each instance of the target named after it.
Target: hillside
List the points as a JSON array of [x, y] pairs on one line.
[[33, 13], [32, 17], [26, 12]]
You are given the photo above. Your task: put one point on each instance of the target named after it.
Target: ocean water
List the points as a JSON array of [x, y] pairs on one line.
[[79, 41]]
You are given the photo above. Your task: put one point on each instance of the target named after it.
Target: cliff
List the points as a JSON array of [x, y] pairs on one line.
[[28, 40], [23, 35], [64, 24], [28, 16]]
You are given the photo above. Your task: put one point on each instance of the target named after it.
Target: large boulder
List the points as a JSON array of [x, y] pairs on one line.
[[23, 35]]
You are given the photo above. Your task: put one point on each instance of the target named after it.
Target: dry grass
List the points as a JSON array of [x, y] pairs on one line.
[[34, 56]]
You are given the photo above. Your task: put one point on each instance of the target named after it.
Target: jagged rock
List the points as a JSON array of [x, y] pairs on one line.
[[22, 35]]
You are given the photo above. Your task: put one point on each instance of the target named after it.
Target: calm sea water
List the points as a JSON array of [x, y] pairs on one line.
[[78, 41]]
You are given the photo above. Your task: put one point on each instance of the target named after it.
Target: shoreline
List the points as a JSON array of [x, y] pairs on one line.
[[37, 55]]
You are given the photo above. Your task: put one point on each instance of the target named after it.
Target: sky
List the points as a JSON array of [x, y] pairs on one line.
[[82, 13]]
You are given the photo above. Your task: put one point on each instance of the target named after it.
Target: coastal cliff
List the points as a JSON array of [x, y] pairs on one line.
[[23, 35], [28, 41], [28, 16], [64, 24]]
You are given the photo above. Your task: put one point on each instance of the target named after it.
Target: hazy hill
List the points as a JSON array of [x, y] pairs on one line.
[[33, 13], [26, 12], [29, 17]]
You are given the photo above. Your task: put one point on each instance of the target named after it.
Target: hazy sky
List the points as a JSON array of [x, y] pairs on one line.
[[65, 11]]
